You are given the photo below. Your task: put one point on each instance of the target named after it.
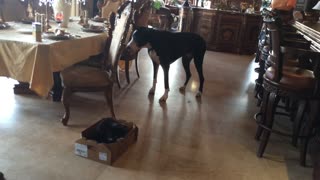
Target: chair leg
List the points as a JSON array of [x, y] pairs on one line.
[[271, 107], [136, 63], [263, 114], [109, 97], [66, 94], [297, 122], [127, 71]]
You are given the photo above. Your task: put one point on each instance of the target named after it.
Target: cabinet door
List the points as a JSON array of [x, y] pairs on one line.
[[204, 25], [250, 34], [228, 32]]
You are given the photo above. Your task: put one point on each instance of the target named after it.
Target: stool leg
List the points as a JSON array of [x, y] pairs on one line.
[[297, 122], [307, 131], [263, 114], [271, 107]]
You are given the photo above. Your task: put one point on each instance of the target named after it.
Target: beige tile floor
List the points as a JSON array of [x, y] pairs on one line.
[[182, 140]]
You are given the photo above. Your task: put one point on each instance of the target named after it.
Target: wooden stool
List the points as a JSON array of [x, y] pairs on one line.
[[283, 81]]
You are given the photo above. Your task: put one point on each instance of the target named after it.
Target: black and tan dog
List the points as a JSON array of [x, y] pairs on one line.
[[166, 47]]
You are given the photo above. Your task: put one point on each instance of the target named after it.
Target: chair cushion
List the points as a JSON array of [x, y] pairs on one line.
[[293, 78], [84, 76]]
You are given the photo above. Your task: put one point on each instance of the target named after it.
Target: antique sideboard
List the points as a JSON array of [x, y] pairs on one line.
[[227, 31]]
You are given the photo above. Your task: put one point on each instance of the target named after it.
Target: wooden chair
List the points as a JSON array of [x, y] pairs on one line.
[[110, 6], [141, 15], [80, 78], [285, 81]]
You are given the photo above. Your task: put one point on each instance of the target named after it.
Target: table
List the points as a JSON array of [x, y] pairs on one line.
[[25, 60], [311, 32]]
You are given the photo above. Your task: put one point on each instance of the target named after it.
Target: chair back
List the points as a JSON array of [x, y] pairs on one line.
[[275, 59], [109, 7], [118, 37], [142, 13]]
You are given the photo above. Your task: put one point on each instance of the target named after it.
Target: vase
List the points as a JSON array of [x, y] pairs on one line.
[[64, 8]]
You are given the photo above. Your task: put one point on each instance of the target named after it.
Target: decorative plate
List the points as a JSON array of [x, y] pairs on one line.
[[25, 31], [52, 36], [27, 21], [98, 19], [96, 29], [4, 25]]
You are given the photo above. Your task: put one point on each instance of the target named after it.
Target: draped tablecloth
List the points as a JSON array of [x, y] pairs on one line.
[[24, 59]]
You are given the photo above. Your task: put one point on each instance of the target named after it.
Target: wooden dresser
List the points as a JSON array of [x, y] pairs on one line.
[[227, 31]]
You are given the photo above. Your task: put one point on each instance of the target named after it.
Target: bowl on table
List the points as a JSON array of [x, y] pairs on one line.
[[57, 35]]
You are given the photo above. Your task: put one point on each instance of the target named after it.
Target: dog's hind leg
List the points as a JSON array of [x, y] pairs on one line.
[[198, 61], [186, 65], [155, 75]]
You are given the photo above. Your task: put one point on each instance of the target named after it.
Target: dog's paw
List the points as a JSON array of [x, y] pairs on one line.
[[152, 91], [199, 94], [163, 99], [182, 89]]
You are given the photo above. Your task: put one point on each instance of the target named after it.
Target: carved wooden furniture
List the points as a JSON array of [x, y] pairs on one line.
[[290, 38], [285, 82], [226, 30], [310, 31], [110, 6], [141, 15], [90, 79]]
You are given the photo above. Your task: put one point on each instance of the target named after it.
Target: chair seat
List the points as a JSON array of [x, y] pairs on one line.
[[293, 78], [84, 76], [291, 62]]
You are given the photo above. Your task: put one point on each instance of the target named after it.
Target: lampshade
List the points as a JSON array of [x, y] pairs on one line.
[[317, 6]]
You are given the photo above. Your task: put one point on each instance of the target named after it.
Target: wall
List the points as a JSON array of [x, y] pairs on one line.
[[13, 10]]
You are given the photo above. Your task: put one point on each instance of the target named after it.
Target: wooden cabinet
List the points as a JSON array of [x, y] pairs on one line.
[[250, 32], [227, 31], [204, 22]]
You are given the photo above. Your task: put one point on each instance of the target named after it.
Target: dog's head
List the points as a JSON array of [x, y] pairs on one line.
[[140, 39]]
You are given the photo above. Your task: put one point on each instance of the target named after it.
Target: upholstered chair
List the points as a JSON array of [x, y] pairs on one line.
[[80, 78]]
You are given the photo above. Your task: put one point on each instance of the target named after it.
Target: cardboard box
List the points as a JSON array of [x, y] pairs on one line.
[[102, 152]]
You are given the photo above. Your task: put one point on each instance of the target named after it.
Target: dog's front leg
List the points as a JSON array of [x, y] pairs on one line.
[[166, 83], [155, 75]]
